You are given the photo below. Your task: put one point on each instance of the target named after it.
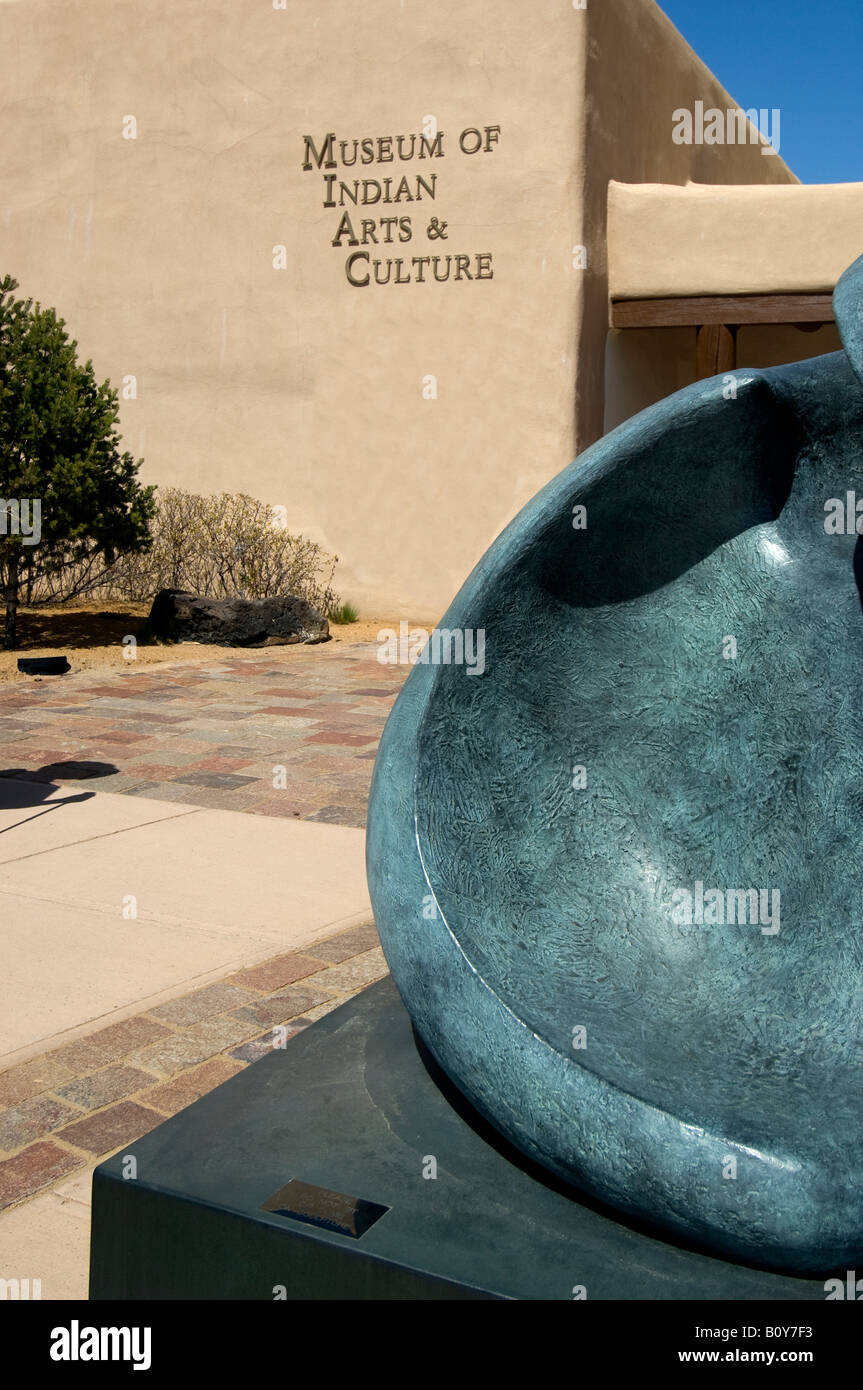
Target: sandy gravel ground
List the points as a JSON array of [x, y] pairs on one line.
[[91, 637]]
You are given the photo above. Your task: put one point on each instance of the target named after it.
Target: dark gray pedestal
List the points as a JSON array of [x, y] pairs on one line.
[[350, 1110]]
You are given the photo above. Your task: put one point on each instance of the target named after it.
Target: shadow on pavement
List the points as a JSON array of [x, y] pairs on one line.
[[22, 787]]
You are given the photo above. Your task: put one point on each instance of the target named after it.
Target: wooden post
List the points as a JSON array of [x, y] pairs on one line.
[[715, 350]]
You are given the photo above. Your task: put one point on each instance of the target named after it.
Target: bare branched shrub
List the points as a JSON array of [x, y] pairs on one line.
[[227, 545]]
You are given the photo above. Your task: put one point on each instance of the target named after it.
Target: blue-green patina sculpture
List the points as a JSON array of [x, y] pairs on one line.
[[617, 875]]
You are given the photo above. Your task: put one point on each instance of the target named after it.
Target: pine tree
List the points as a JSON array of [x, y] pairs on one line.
[[60, 448]]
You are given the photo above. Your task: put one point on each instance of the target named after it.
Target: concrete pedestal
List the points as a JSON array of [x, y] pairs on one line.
[[309, 1176]]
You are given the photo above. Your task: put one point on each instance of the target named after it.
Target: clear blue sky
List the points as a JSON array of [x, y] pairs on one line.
[[804, 57]]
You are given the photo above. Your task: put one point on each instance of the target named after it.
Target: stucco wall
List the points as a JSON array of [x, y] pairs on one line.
[[639, 72], [291, 383], [731, 240]]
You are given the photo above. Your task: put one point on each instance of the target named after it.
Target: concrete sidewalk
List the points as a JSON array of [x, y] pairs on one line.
[[110, 905], [149, 952], [66, 1110]]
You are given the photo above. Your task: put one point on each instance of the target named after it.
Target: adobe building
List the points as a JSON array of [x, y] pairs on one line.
[[391, 266]]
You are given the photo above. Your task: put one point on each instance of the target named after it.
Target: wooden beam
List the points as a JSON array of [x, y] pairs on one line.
[[735, 309], [715, 350]]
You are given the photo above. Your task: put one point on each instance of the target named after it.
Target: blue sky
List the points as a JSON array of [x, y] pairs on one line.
[[803, 57]]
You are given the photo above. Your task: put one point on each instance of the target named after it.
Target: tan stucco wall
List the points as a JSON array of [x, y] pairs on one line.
[[731, 240], [639, 72], [289, 383]]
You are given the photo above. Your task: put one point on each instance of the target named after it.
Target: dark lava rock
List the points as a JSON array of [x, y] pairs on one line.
[[177, 616], [43, 665]]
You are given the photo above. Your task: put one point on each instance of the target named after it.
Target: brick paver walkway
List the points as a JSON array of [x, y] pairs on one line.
[[67, 1108], [290, 732], [282, 733]]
